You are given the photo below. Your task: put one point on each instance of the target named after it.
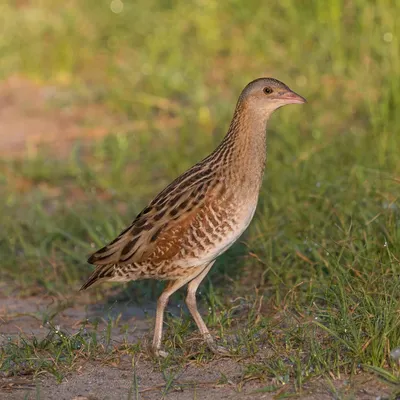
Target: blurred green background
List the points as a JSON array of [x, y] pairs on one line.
[[168, 73]]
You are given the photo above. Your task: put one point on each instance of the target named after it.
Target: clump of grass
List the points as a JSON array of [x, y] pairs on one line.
[[57, 353]]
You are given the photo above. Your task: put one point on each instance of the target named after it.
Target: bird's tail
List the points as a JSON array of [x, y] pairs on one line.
[[100, 274]]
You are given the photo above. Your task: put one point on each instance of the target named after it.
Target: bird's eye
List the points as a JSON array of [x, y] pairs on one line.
[[267, 90]]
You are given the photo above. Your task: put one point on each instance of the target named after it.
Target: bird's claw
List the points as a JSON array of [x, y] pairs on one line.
[[218, 350], [160, 353]]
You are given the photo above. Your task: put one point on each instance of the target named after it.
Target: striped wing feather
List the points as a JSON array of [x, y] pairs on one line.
[[175, 206]]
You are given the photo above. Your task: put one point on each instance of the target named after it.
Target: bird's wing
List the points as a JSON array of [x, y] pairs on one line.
[[168, 214]]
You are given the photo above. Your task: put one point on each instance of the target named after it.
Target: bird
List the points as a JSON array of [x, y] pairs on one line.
[[197, 217]]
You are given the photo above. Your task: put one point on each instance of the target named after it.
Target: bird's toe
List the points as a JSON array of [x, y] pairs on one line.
[[218, 350], [160, 353]]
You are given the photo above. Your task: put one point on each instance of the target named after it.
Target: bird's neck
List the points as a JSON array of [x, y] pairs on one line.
[[243, 150]]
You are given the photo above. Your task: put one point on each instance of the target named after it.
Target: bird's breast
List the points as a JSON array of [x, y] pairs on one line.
[[215, 228]]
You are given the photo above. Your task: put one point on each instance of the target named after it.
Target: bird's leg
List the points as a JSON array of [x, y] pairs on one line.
[[192, 306], [172, 287]]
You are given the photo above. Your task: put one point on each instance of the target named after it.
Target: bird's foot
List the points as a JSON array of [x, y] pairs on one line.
[[159, 353], [218, 350]]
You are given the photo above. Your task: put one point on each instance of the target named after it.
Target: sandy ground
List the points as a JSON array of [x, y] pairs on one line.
[[33, 115], [28, 118], [97, 382], [101, 383]]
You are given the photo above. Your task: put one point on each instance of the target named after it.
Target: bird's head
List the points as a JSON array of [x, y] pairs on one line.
[[265, 95]]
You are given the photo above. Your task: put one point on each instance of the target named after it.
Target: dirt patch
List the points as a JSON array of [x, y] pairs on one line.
[[25, 315], [98, 382], [32, 115]]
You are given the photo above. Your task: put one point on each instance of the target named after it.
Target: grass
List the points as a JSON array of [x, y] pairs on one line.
[[57, 353], [313, 288]]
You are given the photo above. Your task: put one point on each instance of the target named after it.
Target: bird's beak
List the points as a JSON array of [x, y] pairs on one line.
[[293, 98]]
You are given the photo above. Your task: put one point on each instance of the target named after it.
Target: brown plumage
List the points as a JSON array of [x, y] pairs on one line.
[[200, 214]]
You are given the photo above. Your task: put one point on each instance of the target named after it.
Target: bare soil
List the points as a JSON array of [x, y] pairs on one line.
[[96, 382], [33, 115]]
